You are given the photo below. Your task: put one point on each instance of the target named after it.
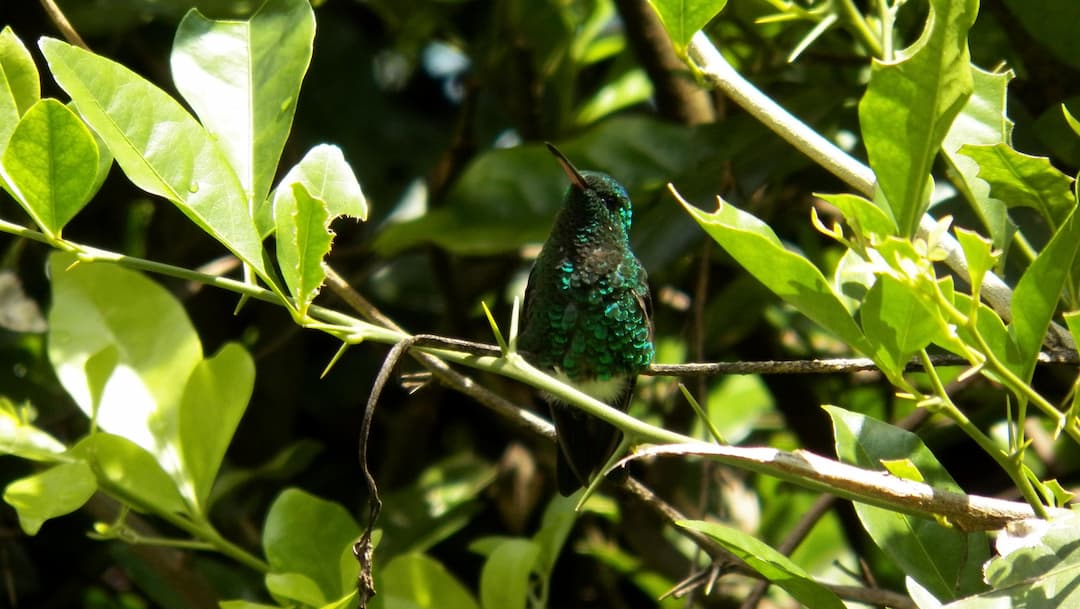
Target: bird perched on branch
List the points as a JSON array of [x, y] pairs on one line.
[[588, 317]]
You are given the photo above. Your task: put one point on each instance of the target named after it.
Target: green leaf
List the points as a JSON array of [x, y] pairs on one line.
[[294, 587], [100, 307], [59, 490], [19, 70], [105, 157], [245, 605], [978, 253], [214, 399], [305, 534], [327, 177], [289, 461], [303, 240], [864, 217], [243, 79], [1035, 298], [982, 122], [910, 104], [559, 517], [9, 118], [20, 437], [51, 164], [990, 327], [1070, 120], [631, 88], [504, 580], [1072, 320], [897, 323], [946, 561], [735, 424], [345, 602], [130, 473], [1038, 567], [776, 567], [19, 85], [442, 501], [160, 147], [1022, 180], [683, 19], [418, 581], [790, 276]]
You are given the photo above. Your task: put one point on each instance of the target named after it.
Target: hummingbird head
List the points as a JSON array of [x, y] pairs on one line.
[[597, 193]]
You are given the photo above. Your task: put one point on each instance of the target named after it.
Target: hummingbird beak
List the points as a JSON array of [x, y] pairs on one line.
[[568, 167]]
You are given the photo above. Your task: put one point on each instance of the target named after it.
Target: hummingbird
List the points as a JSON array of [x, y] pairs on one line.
[[588, 317]]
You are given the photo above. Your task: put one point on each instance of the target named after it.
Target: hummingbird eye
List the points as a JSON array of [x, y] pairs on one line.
[[612, 202]]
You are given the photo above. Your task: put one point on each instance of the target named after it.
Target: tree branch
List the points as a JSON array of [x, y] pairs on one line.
[[879, 488], [677, 96]]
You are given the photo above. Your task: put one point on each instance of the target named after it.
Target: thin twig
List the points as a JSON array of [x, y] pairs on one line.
[[364, 549], [62, 24], [831, 365], [453, 379]]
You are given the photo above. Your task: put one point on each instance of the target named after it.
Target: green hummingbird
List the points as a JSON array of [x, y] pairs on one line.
[[588, 317]]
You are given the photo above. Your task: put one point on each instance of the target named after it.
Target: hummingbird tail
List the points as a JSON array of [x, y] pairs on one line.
[[585, 444]]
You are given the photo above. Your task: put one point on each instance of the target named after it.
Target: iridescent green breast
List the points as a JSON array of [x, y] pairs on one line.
[[587, 314]]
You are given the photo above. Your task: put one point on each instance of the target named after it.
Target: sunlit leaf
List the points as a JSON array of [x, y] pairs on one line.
[[944, 560], [982, 122], [59, 490], [19, 82], [326, 176], [417, 580], [305, 534], [773, 565], [303, 240], [1036, 296], [910, 104], [295, 587], [978, 253], [131, 473], [160, 147], [504, 580], [683, 19], [897, 323], [1021, 180], [22, 438], [51, 163], [214, 399], [19, 70], [1038, 567], [790, 276], [243, 78], [864, 217], [99, 308]]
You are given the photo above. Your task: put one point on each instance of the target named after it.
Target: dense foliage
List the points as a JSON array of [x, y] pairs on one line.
[[184, 375]]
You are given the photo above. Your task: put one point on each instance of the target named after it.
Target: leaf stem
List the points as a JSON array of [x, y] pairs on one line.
[[949, 409], [856, 22]]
